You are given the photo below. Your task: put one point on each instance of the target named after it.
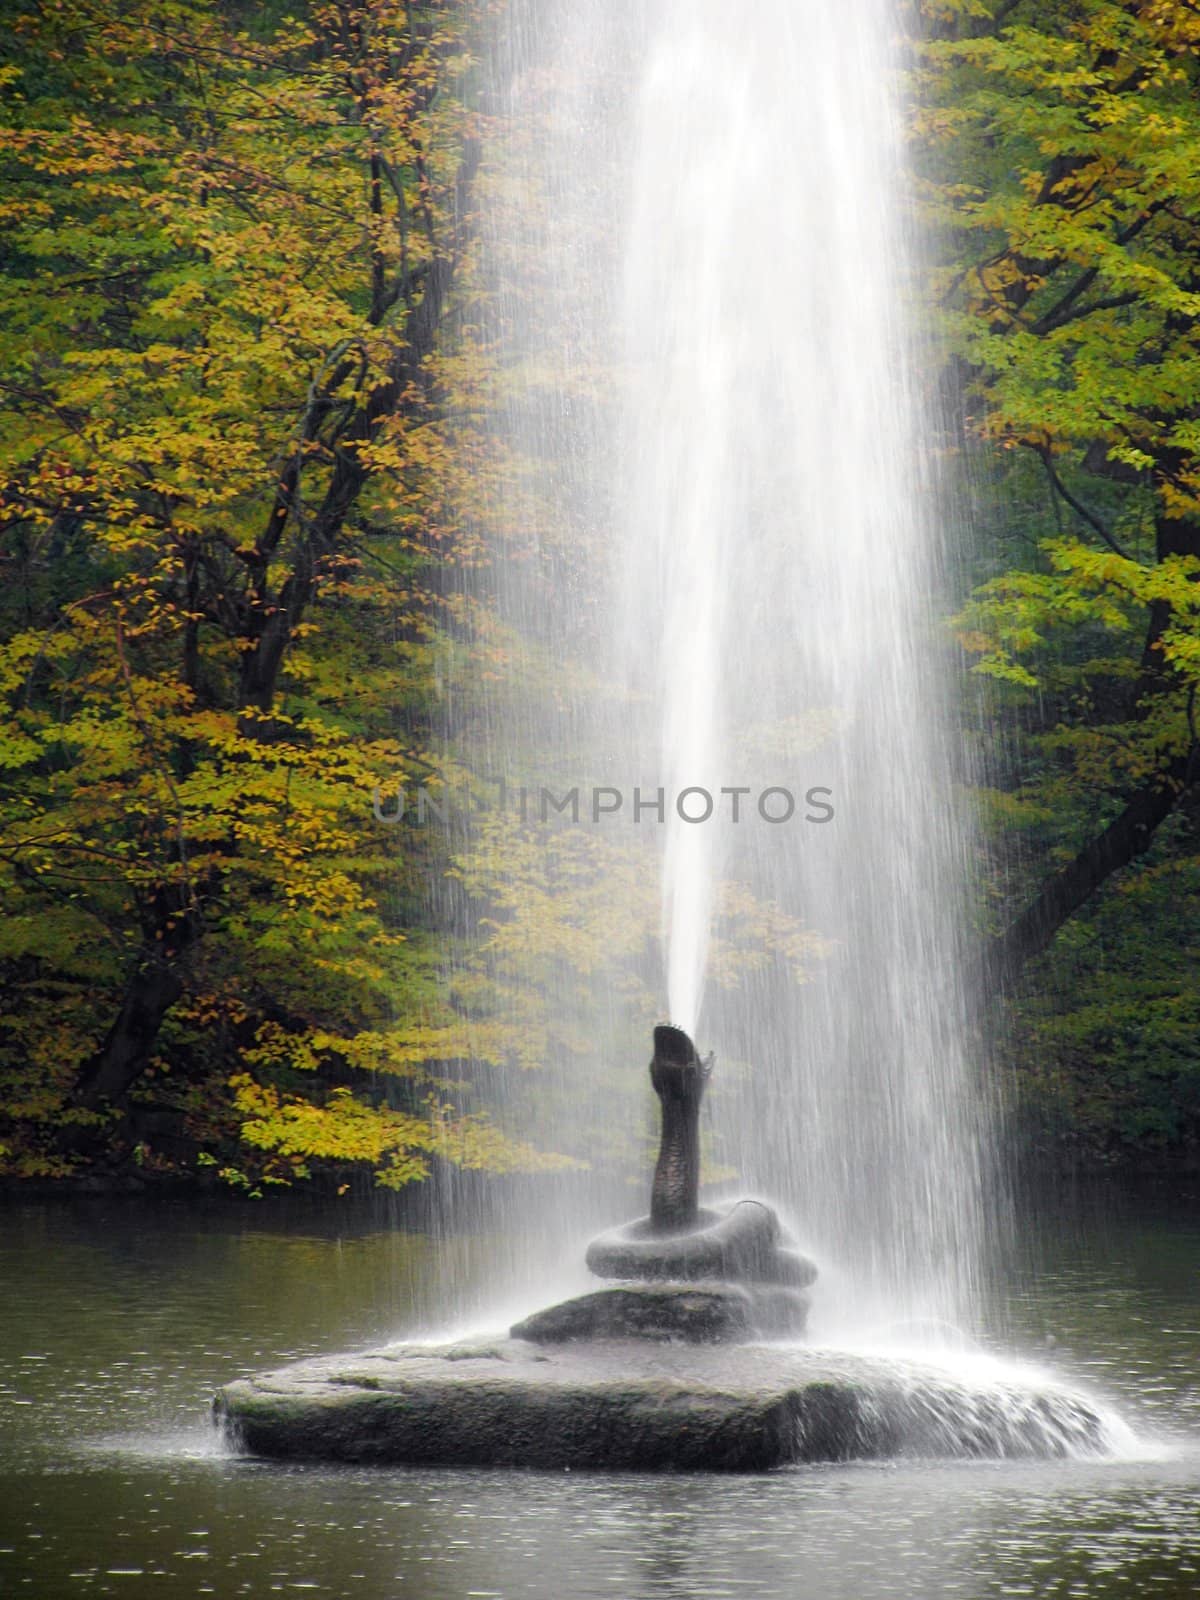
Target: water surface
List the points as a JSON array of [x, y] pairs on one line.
[[120, 1319]]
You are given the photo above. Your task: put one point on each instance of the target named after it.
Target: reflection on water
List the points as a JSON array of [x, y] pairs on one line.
[[118, 1322]]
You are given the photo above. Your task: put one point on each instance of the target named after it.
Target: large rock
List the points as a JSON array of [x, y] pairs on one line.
[[741, 1244], [700, 1313], [640, 1405]]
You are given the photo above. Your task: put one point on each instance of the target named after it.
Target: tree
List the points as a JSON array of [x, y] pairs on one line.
[[233, 245], [1062, 173]]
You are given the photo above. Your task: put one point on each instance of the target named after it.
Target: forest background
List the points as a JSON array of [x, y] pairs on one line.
[[250, 506]]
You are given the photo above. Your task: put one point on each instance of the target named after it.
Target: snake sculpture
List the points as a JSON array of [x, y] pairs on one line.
[[679, 1078]]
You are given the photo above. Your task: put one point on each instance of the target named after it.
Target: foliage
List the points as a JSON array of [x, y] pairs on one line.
[[1060, 149], [248, 502], [231, 500], [1105, 1045]]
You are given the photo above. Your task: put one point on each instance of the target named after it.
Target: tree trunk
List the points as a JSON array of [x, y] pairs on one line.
[[1131, 833], [123, 1057], [1066, 891]]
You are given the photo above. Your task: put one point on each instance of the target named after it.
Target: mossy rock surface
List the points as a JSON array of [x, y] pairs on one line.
[[636, 1405], [698, 1313]]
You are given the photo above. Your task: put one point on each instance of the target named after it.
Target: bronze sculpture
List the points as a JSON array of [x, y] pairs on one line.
[[679, 1078]]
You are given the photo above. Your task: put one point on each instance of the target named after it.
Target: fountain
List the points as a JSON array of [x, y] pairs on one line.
[[702, 248], [685, 1273], [691, 1360], [702, 273]]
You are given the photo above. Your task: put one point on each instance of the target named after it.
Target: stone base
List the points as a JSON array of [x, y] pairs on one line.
[[691, 1313], [742, 1244], [642, 1406]]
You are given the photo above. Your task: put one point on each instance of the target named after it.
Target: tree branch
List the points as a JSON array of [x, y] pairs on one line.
[[1077, 506], [1126, 837], [1052, 321]]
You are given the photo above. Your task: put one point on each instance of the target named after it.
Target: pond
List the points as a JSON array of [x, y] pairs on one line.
[[121, 1317]]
